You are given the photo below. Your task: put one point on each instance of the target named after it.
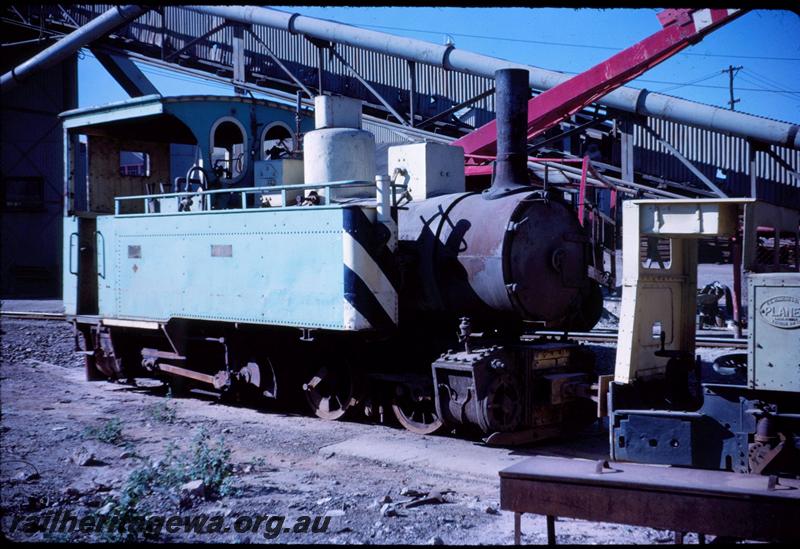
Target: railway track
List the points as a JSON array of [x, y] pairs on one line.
[[610, 336], [32, 315], [600, 336]]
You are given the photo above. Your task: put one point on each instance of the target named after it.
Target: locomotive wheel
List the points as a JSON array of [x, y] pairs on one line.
[[331, 392], [259, 379], [416, 413]]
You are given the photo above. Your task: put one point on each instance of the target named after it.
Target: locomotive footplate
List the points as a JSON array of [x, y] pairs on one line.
[[515, 394]]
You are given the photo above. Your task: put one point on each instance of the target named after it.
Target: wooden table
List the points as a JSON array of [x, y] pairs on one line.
[[683, 500]]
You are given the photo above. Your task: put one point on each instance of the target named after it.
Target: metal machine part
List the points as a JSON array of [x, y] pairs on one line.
[[499, 257], [527, 389], [428, 169], [774, 339], [285, 171], [708, 298], [104, 357], [511, 167], [722, 434], [414, 407], [332, 391], [746, 423], [338, 149]]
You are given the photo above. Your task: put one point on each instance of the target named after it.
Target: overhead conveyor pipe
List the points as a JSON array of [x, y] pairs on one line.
[[632, 100], [71, 43]]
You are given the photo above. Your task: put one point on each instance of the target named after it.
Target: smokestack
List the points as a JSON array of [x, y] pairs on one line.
[[512, 93]]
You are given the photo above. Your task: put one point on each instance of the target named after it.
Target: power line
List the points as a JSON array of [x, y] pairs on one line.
[[571, 45], [784, 94], [768, 81], [681, 84], [726, 87], [693, 82]]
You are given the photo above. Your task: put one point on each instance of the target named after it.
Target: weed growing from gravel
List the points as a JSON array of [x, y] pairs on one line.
[[208, 462], [127, 507], [202, 461], [110, 432], [163, 412]]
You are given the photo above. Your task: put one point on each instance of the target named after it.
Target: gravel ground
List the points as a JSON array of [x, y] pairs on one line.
[[51, 417]]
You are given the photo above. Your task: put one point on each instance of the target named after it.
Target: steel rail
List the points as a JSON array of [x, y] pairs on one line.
[[600, 336], [609, 336], [32, 315]]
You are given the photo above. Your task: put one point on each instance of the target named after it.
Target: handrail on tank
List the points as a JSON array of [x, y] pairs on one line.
[[244, 191]]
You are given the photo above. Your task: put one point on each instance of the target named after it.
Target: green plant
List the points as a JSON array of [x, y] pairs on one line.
[[127, 508], [163, 412], [208, 462], [203, 460], [110, 432]]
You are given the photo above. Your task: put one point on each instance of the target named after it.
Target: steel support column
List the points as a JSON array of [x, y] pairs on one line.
[[366, 84], [455, 108], [196, 40], [239, 71], [412, 91], [685, 161], [281, 65], [320, 62], [751, 164], [625, 125], [126, 73], [163, 30], [736, 297]]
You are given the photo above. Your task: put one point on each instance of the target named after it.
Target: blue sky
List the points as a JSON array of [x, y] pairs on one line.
[[765, 43]]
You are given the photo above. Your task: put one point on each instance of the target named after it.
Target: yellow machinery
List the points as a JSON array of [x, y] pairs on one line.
[[661, 409]]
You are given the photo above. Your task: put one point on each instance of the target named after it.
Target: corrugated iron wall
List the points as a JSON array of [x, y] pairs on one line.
[[439, 89], [711, 151]]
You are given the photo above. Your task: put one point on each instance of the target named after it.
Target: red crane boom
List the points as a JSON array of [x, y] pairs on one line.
[[681, 28]]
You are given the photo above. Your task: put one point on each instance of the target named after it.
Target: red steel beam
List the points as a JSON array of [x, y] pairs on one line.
[[681, 28]]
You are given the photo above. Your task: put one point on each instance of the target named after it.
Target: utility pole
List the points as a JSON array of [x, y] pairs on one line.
[[731, 70]]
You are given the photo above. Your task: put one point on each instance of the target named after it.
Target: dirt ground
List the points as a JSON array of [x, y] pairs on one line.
[[361, 475]]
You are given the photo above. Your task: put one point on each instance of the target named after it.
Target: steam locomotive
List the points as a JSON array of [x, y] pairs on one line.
[[262, 272]]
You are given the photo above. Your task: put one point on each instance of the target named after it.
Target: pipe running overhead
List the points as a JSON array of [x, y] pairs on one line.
[[632, 100], [71, 43]]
